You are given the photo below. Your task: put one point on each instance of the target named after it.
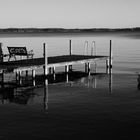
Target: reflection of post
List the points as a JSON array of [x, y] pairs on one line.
[[110, 80], [67, 77], [95, 82], [34, 82], [46, 94], [110, 55], [107, 66]]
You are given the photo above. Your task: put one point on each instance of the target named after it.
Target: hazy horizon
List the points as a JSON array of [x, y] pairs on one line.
[[69, 13]]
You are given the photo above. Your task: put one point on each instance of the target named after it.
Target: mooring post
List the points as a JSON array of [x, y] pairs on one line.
[[33, 74], [70, 53], [67, 68], [110, 55], [70, 48], [46, 60], [1, 53]]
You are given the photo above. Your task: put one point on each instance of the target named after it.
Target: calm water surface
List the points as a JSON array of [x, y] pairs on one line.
[[99, 105]]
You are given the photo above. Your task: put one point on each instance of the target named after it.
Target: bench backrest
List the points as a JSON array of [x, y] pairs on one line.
[[17, 50]]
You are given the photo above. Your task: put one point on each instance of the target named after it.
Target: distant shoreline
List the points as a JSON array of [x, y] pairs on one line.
[[63, 30]]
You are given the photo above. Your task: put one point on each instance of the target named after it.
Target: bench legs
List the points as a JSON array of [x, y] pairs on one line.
[[12, 56]]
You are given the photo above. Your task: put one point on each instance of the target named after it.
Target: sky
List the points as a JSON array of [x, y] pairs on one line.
[[69, 13]]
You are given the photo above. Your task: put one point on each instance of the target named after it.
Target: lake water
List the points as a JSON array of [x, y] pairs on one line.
[[126, 50], [99, 105]]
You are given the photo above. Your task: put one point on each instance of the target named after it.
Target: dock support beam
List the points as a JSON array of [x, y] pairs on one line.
[[1, 53], [110, 55], [33, 74], [70, 53], [87, 67], [46, 60], [70, 48]]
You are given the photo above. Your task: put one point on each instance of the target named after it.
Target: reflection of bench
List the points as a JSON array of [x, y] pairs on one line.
[[19, 51]]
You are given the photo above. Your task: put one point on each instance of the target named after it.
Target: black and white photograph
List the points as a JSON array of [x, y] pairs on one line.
[[69, 69]]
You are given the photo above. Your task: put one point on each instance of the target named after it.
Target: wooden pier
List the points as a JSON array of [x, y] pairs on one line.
[[49, 64]]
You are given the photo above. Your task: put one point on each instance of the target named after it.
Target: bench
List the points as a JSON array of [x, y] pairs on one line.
[[19, 51]]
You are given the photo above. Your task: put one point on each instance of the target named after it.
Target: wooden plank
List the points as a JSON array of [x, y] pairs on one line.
[[55, 61]]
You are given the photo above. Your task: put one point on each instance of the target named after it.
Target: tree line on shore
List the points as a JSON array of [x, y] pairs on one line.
[[63, 30]]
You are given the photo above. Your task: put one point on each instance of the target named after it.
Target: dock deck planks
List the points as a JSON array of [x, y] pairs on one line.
[[52, 61]]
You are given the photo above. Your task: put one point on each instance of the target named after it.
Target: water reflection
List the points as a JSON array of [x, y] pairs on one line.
[[46, 93], [138, 85], [15, 95], [22, 95]]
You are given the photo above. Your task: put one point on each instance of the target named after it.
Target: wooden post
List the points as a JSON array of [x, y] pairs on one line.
[[70, 48], [88, 68], [53, 70], [1, 53], [70, 53], [67, 68], [46, 60], [33, 74], [110, 55]]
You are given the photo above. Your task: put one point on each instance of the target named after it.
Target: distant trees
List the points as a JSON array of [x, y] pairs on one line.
[[62, 30]]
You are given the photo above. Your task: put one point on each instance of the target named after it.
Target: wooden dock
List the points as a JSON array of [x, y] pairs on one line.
[[50, 63], [56, 61]]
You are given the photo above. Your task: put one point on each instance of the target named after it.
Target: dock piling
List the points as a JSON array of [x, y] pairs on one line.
[[70, 53], [33, 74], [110, 55], [70, 48], [46, 60]]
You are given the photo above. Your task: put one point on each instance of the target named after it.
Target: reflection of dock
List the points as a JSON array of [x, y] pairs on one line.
[[22, 95]]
